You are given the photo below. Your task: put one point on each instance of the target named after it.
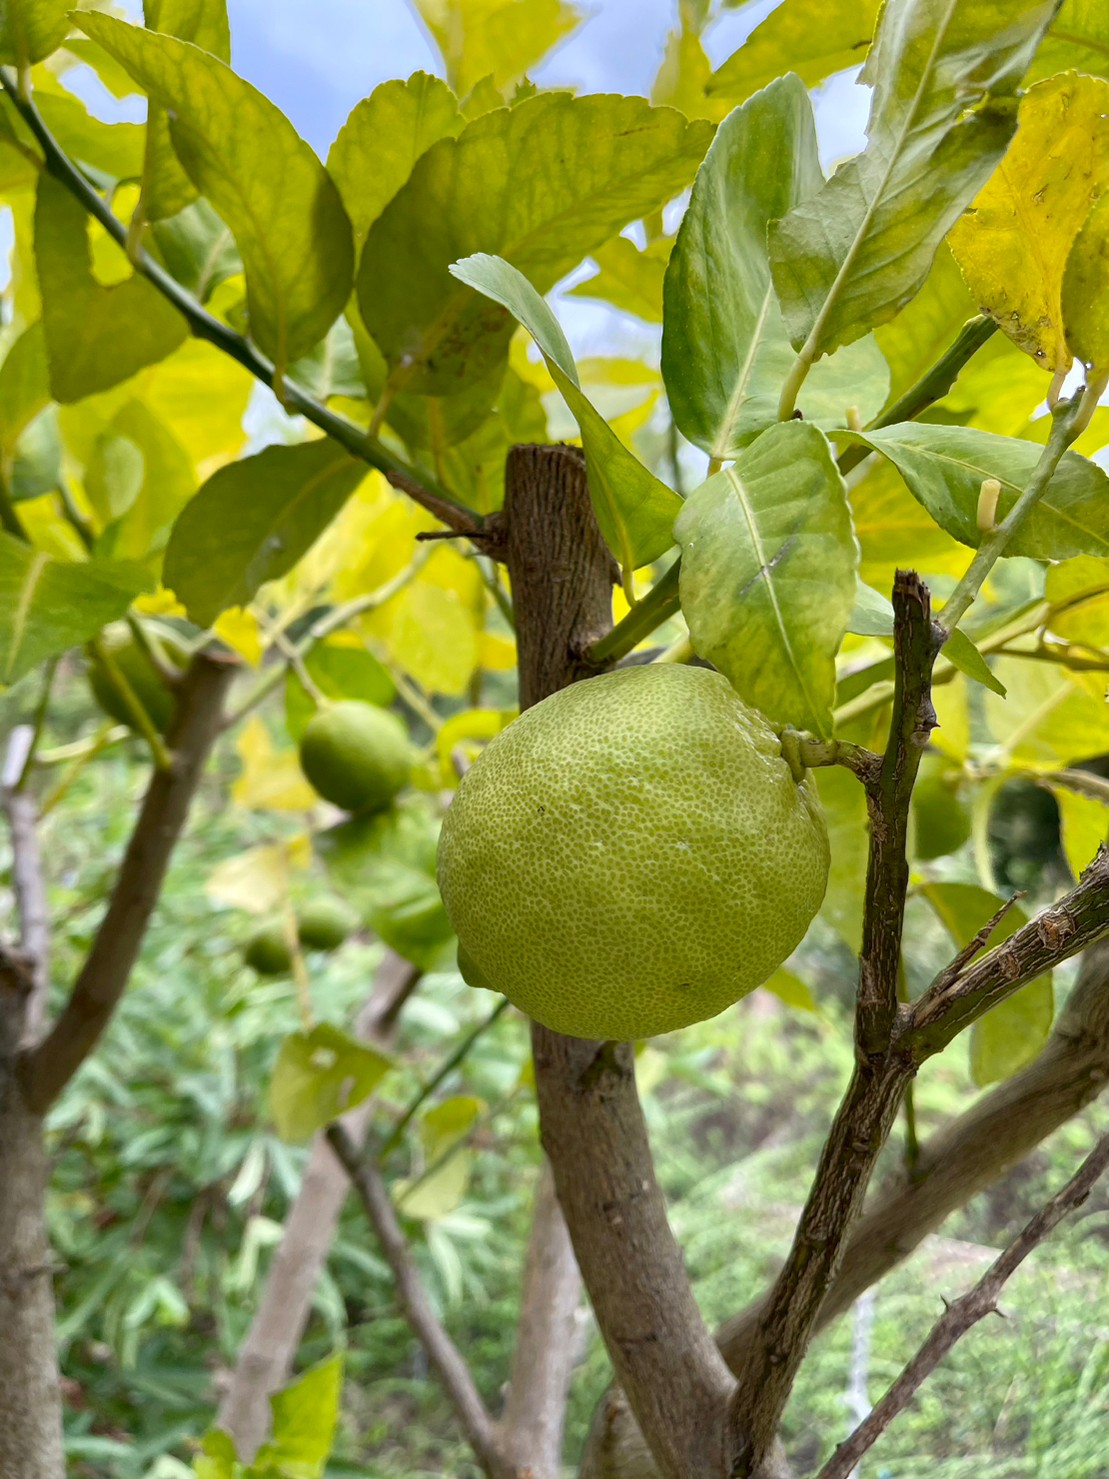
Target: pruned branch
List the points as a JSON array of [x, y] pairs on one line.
[[441, 1351], [49, 1066], [883, 1069], [965, 1312], [28, 879]]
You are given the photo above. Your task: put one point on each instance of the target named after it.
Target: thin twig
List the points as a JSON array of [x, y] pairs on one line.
[[660, 603], [965, 1312], [441, 1351], [420, 487]]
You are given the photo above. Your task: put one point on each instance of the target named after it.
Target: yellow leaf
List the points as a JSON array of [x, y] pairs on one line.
[[1013, 243], [895, 531], [1086, 291], [434, 638], [1085, 825], [258, 880], [271, 779], [496, 654], [239, 629], [1079, 594], [462, 730], [159, 603], [1050, 718], [952, 734]]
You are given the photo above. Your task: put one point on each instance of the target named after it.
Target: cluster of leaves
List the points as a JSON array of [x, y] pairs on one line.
[[820, 346]]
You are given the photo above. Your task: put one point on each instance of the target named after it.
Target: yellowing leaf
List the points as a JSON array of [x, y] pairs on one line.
[[462, 731], [239, 629], [318, 1076], [258, 880], [496, 654], [1048, 719], [1079, 594], [498, 39], [433, 638], [1086, 291], [813, 38], [1014, 241], [1085, 826], [271, 779]]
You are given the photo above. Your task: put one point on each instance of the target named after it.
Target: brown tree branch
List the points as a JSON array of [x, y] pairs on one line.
[[965, 1312], [591, 1121], [883, 1069], [48, 1067], [441, 1351], [546, 1345], [28, 879], [952, 1003], [266, 1355]]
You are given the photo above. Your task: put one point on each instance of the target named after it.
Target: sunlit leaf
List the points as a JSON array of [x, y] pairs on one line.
[[945, 466], [943, 110], [24, 386], [198, 249], [96, 336], [241, 151], [305, 1416], [1013, 243], [926, 326], [1047, 719], [629, 279], [635, 510], [47, 605], [1078, 39], [252, 521], [1084, 824], [1085, 295], [497, 39], [318, 1076], [32, 29], [813, 38], [271, 778], [725, 351], [592, 165], [768, 573]]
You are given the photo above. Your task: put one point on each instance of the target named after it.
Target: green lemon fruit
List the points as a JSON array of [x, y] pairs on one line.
[[267, 950], [324, 923], [355, 755], [632, 854], [140, 673]]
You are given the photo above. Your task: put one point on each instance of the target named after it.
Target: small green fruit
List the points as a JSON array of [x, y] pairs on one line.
[[267, 950], [324, 924], [355, 755], [632, 854], [136, 667]]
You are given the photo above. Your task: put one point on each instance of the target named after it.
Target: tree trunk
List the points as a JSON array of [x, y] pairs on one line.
[[30, 1393]]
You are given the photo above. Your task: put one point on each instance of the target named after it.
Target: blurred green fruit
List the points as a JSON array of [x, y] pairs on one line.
[[324, 923], [632, 854], [267, 950], [356, 755], [133, 663]]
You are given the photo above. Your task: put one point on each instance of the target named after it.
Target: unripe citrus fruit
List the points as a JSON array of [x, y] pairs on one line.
[[267, 950], [632, 854], [355, 755], [139, 672], [324, 923]]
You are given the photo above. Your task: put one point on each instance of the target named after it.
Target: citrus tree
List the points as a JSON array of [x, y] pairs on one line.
[[845, 548]]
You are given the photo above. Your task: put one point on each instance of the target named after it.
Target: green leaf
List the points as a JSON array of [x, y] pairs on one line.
[[1084, 824], [927, 326], [961, 652], [1009, 1035], [262, 178], [24, 386], [943, 110], [1077, 41], [333, 367], [1085, 298], [1056, 168], [305, 1417], [114, 149], [813, 38], [31, 29], [48, 605], [385, 865], [96, 336], [872, 613], [725, 351], [252, 520], [592, 164], [496, 39], [628, 278], [635, 511], [164, 486], [768, 573], [792, 991], [167, 189], [843, 802], [1049, 717], [198, 249], [318, 1076], [386, 133], [945, 466], [36, 466], [339, 671]]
